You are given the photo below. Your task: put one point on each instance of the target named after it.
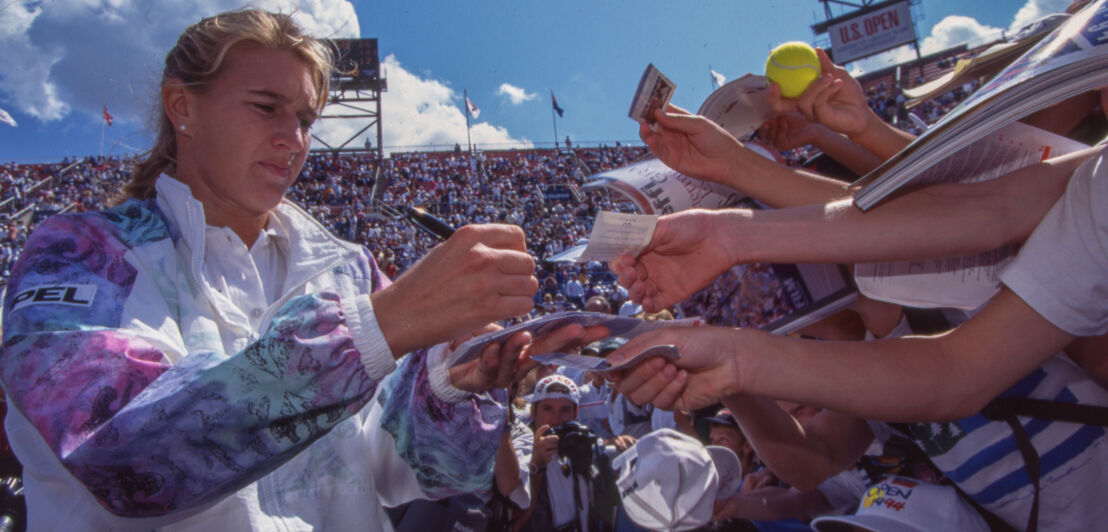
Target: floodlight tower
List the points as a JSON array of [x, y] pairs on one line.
[[356, 87]]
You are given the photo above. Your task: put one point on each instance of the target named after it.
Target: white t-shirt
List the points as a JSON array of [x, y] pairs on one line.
[[1062, 270]]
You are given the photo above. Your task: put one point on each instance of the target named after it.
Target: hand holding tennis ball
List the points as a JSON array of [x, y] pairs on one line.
[[793, 66]]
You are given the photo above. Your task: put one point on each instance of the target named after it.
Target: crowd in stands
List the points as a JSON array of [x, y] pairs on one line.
[[889, 103]]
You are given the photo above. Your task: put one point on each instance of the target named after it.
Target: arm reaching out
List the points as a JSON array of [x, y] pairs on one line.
[[697, 147], [690, 248], [972, 364]]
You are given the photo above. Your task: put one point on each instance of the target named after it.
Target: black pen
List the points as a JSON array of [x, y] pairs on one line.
[[428, 223]]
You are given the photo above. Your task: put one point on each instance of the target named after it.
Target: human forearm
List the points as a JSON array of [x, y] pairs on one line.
[[506, 472], [779, 186], [794, 455], [847, 152], [947, 377], [881, 138], [1000, 211], [148, 419]]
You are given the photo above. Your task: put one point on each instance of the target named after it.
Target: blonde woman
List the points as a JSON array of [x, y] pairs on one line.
[[204, 354]]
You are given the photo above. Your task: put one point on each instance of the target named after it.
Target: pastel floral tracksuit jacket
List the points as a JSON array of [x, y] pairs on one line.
[[140, 398]]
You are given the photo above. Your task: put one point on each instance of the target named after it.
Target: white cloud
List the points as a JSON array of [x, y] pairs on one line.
[[958, 29], [949, 32], [71, 56], [419, 113], [516, 95], [1036, 9], [24, 72]]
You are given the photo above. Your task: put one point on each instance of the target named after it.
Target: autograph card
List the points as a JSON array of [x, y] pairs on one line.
[[614, 234], [654, 92]]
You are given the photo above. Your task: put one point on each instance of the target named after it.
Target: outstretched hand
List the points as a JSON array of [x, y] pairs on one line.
[[835, 99], [480, 275], [687, 251], [502, 364], [704, 374], [497, 367], [691, 144]]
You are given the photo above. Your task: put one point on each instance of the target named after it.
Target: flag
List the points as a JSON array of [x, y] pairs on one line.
[[473, 110], [554, 102], [25, 220], [107, 117], [717, 79], [7, 118]]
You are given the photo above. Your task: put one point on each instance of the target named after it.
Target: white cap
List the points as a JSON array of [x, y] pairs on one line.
[[729, 469], [667, 481], [897, 504], [629, 308], [543, 392]]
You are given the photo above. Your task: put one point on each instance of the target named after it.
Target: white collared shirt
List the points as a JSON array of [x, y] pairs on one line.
[[251, 278]]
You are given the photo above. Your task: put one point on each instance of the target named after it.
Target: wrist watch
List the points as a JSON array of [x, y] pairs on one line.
[[533, 469]]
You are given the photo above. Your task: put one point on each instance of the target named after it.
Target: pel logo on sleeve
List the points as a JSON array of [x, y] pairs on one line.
[[59, 294]]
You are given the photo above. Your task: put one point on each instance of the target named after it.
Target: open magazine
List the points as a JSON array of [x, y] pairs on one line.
[[963, 282], [1071, 60], [739, 106], [987, 63]]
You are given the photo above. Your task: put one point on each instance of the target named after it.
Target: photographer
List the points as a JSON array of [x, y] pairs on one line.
[[568, 479]]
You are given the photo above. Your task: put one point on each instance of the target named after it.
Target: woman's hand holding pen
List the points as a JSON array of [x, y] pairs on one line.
[[481, 274]]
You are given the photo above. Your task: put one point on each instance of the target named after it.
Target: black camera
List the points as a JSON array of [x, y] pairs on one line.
[[580, 445], [572, 436]]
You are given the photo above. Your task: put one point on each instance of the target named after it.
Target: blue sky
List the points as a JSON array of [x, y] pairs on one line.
[[62, 60]]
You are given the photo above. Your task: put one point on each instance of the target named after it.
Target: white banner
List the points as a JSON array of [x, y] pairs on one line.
[[873, 32]]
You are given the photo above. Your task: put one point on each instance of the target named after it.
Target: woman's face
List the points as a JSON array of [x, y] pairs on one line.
[[247, 132]]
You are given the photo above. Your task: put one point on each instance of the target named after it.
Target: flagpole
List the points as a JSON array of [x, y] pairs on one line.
[[465, 104], [554, 119]]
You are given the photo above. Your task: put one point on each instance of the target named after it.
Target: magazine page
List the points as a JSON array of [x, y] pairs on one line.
[[1071, 60], [1003, 151], [963, 282], [655, 188], [739, 106]]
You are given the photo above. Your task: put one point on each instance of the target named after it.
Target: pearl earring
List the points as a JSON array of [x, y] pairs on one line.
[[181, 127]]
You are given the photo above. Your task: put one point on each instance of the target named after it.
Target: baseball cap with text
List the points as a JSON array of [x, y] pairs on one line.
[[897, 504], [552, 386]]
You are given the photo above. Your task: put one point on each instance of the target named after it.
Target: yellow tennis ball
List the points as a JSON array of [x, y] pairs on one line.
[[793, 66]]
